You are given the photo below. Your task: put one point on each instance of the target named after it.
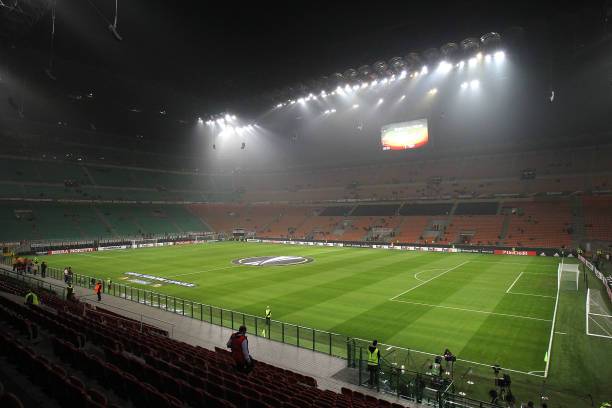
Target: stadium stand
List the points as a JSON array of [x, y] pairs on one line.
[[598, 218], [540, 224], [98, 359]]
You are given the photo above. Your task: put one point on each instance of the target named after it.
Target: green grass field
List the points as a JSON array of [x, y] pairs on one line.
[[486, 309]]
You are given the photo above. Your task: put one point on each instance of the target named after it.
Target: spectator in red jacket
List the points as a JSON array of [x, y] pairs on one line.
[[239, 344]]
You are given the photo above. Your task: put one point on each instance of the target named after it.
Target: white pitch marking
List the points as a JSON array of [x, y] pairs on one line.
[[473, 310], [511, 286], [558, 332], [530, 294], [428, 280], [206, 270], [598, 314], [426, 270]]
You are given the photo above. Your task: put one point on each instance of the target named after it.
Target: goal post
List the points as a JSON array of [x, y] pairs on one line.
[[569, 275]]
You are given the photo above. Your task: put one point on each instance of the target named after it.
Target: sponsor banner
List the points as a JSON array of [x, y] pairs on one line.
[[160, 279], [112, 247], [70, 251], [511, 252], [145, 245], [184, 242], [253, 240]]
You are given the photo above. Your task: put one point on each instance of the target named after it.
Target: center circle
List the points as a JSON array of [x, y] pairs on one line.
[[283, 260]]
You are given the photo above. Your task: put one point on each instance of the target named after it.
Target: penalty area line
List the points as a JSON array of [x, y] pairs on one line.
[[429, 280], [206, 270], [473, 310]]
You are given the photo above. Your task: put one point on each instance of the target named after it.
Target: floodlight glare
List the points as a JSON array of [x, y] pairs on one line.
[[301, 101], [402, 75], [444, 67], [381, 100], [464, 85], [227, 116], [355, 87], [499, 56], [333, 111], [292, 102], [479, 56], [280, 105], [327, 111], [402, 97], [472, 61], [355, 106], [200, 121], [384, 81], [488, 58], [433, 91], [474, 84], [347, 88], [374, 83], [461, 64], [364, 85], [424, 70]]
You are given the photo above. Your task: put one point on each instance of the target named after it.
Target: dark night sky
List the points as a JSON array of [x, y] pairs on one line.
[[241, 48]]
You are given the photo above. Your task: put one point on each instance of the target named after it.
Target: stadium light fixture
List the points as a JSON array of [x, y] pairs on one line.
[[301, 101], [487, 58], [479, 56], [464, 85], [327, 112], [355, 87], [380, 101], [233, 117], [403, 74], [424, 70], [374, 83], [444, 67], [200, 121], [474, 84], [364, 85], [402, 98], [461, 64], [433, 91], [221, 121], [472, 62], [499, 56], [384, 81], [227, 117], [347, 88], [280, 105], [333, 111], [355, 106]]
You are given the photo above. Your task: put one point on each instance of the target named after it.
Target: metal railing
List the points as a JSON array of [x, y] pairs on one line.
[[300, 336], [34, 282]]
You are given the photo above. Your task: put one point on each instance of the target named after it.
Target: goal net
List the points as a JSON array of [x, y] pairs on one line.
[[598, 315], [568, 276]]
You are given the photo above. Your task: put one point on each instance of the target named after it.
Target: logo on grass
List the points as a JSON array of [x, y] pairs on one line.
[[272, 260]]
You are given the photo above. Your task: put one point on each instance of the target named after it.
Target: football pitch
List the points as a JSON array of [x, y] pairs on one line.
[[487, 309]]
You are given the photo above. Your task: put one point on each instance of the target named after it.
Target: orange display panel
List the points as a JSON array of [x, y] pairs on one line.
[[404, 135]]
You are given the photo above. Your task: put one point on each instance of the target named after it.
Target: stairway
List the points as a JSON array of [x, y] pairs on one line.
[[577, 221], [505, 226], [104, 221]]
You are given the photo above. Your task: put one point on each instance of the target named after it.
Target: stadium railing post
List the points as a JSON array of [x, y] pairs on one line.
[[232, 315], [256, 330], [221, 315], [210, 310], [243, 319], [298, 335], [330, 344], [183, 307], [313, 340]]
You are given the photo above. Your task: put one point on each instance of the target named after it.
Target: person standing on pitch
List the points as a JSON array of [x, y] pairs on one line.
[[43, 269], [268, 315], [98, 290], [373, 362]]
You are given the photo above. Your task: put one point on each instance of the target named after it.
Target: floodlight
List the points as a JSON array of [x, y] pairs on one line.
[[364, 85], [461, 64], [474, 84], [402, 97], [479, 55], [381, 100], [200, 121], [355, 106], [327, 111], [280, 105], [333, 111], [472, 61], [444, 67], [355, 87], [499, 56], [433, 91], [402, 74], [487, 58], [374, 83], [227, 116], [301, 101], [384, 81], [424, 70], [464, 85]]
